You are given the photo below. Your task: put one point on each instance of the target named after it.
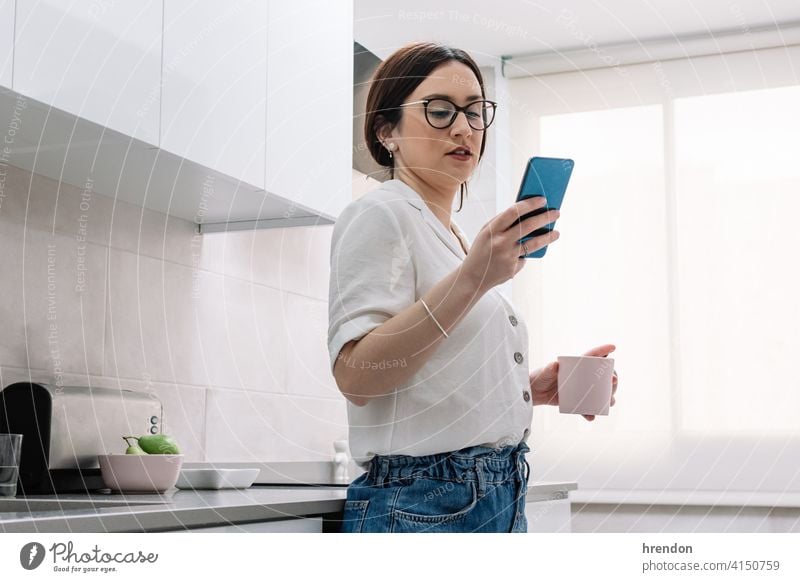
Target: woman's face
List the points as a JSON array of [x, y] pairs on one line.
[[424, 150]]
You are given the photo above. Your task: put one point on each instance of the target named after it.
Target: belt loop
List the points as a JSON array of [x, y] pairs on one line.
[[517, 455], [373, 470], [480, 476], [380, 471], [524, 467], [384, 471], [522, 462]]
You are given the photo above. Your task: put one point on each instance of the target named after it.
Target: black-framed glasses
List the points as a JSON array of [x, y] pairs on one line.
[[442, 113]]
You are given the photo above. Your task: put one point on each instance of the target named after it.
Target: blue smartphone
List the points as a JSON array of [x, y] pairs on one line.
[[546, 177]]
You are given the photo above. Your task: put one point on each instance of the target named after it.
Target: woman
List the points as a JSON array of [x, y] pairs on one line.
[[431, 357]]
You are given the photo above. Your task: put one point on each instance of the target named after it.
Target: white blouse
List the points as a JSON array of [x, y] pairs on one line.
[[387, 250]]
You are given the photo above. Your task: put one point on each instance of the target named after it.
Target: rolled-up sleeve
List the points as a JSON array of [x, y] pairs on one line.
[[372, 272]]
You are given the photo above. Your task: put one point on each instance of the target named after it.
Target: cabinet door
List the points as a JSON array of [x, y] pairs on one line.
[[553, 516], [310, 103], [215, 83], [6, 41], [98, 60]]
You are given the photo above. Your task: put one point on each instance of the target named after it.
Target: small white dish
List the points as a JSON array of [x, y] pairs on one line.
[[217, 478]]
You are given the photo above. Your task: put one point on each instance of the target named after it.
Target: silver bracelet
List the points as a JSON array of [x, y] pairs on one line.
[[432, 317]]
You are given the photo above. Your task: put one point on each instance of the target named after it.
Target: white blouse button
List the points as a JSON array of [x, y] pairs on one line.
[[518, 357]]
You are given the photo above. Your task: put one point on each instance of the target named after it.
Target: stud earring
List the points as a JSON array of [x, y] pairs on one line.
[[391, 147]]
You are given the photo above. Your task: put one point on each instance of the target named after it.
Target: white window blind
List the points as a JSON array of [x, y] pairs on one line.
[[679, 242]]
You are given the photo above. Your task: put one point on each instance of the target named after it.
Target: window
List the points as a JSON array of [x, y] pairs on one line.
[[738, 199]]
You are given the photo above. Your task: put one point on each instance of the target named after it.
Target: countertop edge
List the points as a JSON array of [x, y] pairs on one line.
[[145, 518], [768, 499]]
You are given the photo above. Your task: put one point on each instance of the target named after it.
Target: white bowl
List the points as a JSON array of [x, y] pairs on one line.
[[151, 473]]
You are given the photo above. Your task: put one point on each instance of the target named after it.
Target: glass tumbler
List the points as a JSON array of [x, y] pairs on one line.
[[10, 451]]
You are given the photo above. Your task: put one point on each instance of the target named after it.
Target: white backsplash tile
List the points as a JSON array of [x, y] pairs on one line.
[[293, 259], [308, 365], [151, 324], [153, 234], [249, 426], [243, 335], [303, 259], [53, 301], [42, 203], [232, 254]]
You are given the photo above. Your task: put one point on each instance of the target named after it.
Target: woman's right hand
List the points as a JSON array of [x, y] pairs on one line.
[[496, 254]]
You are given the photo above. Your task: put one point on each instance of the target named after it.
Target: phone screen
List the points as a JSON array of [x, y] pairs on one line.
[[546, 177]]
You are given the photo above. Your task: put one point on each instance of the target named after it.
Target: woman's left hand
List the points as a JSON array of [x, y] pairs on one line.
[[544, 381]]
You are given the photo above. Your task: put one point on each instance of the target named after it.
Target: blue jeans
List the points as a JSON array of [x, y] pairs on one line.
[[475, 489]]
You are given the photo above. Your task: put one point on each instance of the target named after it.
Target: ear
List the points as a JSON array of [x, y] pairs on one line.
[[383, 129]]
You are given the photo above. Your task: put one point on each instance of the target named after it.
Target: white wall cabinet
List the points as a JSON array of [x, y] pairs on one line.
[[310, 103], [215, 85], [100, 61], [234, 116], [264, 94], [551, 516]]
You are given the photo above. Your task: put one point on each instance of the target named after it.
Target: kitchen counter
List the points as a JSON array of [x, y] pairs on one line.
[[179, 509]]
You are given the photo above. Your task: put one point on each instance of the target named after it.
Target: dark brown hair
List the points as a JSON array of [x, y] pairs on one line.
[[395, 79]]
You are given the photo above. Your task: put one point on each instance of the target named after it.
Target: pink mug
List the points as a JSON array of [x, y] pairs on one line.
[[584, 384]]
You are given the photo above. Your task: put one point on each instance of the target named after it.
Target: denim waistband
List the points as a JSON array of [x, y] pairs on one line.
[[477, 463]]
